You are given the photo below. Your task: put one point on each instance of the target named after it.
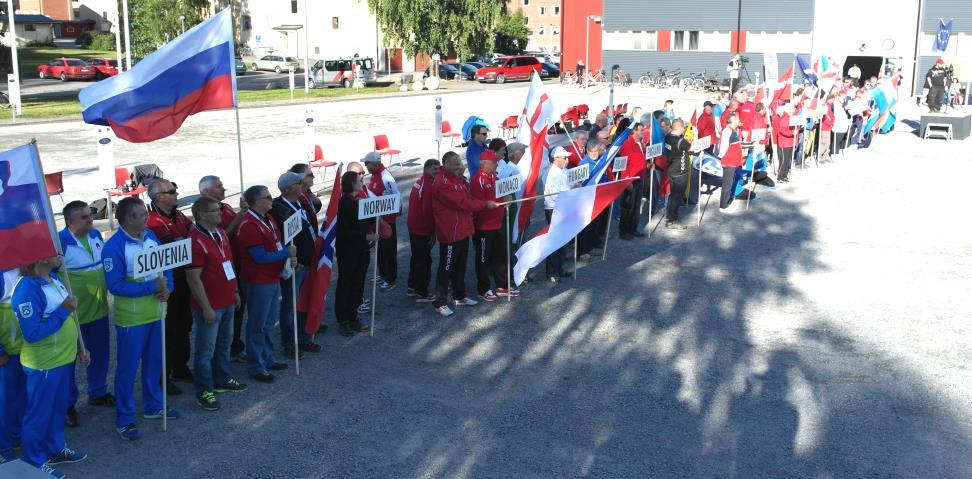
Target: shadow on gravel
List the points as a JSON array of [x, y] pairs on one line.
[[645, 367]]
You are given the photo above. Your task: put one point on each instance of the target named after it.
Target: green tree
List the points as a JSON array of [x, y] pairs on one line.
[[156, 22], [512, 34], [456, 27]]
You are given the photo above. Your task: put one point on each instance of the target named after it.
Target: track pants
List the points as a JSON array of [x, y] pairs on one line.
[[137, 345], [47, 401], [97, 340]]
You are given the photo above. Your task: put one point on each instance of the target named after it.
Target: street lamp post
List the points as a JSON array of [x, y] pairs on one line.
[[182, 22], [587, 48]]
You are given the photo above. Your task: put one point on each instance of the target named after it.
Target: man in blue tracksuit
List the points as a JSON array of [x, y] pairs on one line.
[[139, 309], [13, 382], [83, 247]]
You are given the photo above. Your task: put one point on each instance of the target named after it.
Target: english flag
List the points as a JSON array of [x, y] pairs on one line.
[[315, 287], [26, 221], [575, 210], [537, 116], [190, 74]]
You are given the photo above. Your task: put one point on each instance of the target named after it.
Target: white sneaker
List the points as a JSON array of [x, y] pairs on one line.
[[444, 311], [466, 302]]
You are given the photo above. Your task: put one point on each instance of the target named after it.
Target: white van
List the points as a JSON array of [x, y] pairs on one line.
[[342, 72]]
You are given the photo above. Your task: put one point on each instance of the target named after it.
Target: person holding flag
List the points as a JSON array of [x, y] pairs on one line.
[[677, 152], [555, 181], [352, 245], [784, 139], [212, 282], [707, 125], [634, 149], [383, 183], [138, 316], [13, 381], [310, 298], [420, 232], [589, 236], [83, 247], [488, 241], [43, 306]]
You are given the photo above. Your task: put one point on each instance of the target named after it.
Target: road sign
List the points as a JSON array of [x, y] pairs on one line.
[[291, 227], [438, 118], [379, 206], [13, 92], [701, 143], [652, 151], [152, 261], [106, 159], [507, 186], [620, 164], [578, 174]]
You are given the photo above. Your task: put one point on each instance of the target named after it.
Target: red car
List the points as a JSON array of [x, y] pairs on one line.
[[67, 69], [509, 69], [104, 67]]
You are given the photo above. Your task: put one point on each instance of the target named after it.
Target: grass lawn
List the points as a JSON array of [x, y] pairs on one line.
[[250, 96], [48, 108], [30, 57]]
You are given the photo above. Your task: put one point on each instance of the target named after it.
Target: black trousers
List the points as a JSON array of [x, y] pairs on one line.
[[786, 158], [352, 268], [388, 256], [935, 97], [554, 262], [178, 325], [728, 185], [839, 139], [490, 259], [630, 202], [452, 271], [420, 265], [238, 344], [675, 200]]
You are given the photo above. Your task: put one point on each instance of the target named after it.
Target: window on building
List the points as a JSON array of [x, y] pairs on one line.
[[693, 40], [246, 22], [541, 11], [679, 40], [645, 40], [555, 30], [317, 50], [28, 27], [540, 31], [679, 43], [526, 2], [335, 23], [556, 11], [293, 6], [526, 20]]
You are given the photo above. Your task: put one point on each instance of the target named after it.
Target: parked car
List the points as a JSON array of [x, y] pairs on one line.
[[447, 71], [478, 65], [549, 70], [66, 69], [104, 67], [275, 63], [469, 70], [506, 69], [240, 65], [341, 71]]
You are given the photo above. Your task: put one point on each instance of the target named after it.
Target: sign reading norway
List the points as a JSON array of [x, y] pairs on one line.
[[379, 206], [152, 261]]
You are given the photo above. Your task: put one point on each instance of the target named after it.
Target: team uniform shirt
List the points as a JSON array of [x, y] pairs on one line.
[[261, 232], [783, 134], [730, 150], [555, 182], [50, 339], [382, 183], [677, 154], [135, 301], [226, 215], [82, 258], [483, 186], [574, 158], [420, 220], [707, 127], [169, 228], [637, 162], [212, 251], [452, 207], [746, 112], [312, 205], [10, 338]]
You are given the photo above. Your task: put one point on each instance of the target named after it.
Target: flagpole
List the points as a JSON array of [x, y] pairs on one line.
[[651, 203], [293, 298], [165, 375], [374, 281], [239, 146], [552, 194], [509, 253], [128, 35], [698, 199], [610, 218]]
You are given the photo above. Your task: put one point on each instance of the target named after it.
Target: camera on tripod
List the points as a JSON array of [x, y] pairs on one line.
[[744, 59]]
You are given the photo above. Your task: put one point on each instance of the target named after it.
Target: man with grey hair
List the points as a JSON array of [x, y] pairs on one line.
[[171, 225], [600, 123], [576, 148], [507, 167]]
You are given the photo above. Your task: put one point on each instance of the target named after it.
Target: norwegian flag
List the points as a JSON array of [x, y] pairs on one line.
[[784, 89], [537, 116], [315, 287]]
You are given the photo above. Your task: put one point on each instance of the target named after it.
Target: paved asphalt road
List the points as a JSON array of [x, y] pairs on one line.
[[824, 333]]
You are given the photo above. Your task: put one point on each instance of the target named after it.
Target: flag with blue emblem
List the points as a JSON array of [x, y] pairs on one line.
[[26, 221], [318, 282], [807, 71], [944, 34], [602, 163]]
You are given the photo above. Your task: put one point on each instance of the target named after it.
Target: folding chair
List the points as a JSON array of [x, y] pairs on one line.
[[448, 133], [55, 184], [384, 149]]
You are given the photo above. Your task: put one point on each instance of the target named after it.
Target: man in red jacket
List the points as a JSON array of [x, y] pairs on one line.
[[631, 198], [783, 138], [170, 225], [488, 240], [707, 125], [382, 183], [452, 210], [421, 230]]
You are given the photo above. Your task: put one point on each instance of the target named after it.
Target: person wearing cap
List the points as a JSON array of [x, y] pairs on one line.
[[262, 257], [284, 206], [488, 241], [935, 82], [212, 281], [452, 208], [477, 145], [382, 183], [634, 150], [555, 180], [421, 228], [307, 196]]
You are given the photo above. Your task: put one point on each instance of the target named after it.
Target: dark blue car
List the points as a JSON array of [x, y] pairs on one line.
[[549, 70]]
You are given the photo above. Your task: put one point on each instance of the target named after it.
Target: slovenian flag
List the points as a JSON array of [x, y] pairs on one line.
[[318, 282], [26, 220], [600, 167], [575, 209], [193, 73], [807, 71]]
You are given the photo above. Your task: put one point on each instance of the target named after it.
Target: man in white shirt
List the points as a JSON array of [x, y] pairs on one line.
[[854, 72], [555, 181]]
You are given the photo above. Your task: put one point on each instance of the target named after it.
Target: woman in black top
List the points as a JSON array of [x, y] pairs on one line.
[[351, 249]]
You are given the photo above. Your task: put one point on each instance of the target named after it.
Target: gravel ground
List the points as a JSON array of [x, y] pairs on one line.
[[823, 333]]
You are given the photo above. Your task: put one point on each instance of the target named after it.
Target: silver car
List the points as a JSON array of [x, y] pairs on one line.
[[275, 63]]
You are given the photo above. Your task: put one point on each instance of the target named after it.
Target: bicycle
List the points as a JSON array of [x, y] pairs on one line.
[[568, 78], [596, 78], [671, 79], [646, 80], [622, 78]]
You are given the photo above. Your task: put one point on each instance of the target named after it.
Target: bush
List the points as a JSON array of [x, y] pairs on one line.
[[83, 40], [102, 41]]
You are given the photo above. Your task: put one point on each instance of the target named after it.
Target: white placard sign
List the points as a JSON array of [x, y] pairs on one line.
[[152, 261], [758, 134], [772, 66], [701, 143], [620, 164], [13, 92], [507, 186], [798, 120], [652, 151], [379, 206], [291, 227], [578, 174], [438, 118]]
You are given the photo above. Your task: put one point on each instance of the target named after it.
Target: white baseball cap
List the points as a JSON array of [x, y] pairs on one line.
[[559, 152]]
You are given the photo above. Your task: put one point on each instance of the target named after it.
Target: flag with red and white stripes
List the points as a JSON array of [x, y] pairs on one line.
[[537, 116], [318, 282]]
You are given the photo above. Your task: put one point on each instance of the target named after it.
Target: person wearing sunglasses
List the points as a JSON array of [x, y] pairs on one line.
[[477, 145]]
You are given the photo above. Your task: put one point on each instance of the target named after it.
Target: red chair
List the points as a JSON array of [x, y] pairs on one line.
[[55, 184], [122, 176], [319, 161], [448, 133], [509, 125], [582, 111], [384, 149]]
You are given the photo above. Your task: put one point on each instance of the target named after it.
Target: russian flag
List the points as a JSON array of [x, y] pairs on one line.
[[190, 74], [26, 220], [315, 287]]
